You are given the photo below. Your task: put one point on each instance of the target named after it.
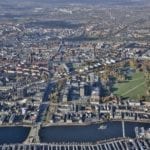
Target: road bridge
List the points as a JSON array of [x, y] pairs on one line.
[[33, 136]]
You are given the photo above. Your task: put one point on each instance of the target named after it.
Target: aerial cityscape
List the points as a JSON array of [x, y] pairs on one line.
[[75, 75]]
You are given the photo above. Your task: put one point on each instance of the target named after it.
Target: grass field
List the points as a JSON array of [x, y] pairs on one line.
[[134, 88]]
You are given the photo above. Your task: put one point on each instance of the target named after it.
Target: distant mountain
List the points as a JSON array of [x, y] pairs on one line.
[[92, 1], [78, 1]]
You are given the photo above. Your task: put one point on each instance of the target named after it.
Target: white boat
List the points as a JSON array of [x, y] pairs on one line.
[[102, 127], [136, 129]]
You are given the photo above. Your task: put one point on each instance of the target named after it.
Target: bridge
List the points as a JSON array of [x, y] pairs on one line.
[[33, 136], [114, 144]]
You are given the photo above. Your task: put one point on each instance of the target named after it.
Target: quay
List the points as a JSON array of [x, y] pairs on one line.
[[114, 144], [94, 122], [15, 125], [76, 124]]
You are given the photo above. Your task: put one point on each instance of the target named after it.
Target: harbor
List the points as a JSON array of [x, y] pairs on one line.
[[115, 144]]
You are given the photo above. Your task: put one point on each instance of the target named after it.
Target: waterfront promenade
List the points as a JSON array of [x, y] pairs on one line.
[[94, 122]]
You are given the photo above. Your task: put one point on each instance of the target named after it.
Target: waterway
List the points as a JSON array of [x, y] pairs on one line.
[[89, 133], [10, 135], [66, 133]]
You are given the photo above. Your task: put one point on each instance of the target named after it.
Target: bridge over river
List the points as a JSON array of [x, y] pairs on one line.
[[33, 136]]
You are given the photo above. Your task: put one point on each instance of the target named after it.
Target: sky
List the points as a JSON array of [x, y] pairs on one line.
[[63, 2]]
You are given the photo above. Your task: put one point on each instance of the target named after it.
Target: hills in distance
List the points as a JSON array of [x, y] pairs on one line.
[[88, 2]]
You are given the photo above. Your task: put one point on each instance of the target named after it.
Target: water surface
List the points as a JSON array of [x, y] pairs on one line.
[[9, 135], [89, 133]]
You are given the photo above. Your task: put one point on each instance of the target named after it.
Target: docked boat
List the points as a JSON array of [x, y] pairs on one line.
[[136, 129]]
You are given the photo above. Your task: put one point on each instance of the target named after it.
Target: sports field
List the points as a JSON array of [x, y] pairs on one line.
[[134, 88]]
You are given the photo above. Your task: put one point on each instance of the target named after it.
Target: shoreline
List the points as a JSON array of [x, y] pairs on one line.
[[100, 122], [14, 125], [78, 124]]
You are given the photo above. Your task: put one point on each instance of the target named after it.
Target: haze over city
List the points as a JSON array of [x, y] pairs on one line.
[[75, 75]]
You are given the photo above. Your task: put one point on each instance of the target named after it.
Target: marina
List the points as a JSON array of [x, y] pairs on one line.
[[115, 144]]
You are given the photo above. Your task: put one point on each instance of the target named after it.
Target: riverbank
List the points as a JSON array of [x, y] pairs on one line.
[[14, 125], [76, 123], [96, 122]]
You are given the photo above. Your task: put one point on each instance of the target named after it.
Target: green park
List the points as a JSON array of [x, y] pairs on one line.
[[134, 88]]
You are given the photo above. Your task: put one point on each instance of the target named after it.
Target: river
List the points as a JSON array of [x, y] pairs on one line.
[[89, 133], [84, 133], [10, 135]]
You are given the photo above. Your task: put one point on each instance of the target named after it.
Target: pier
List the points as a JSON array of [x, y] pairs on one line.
[[114, 144], [123, 129]]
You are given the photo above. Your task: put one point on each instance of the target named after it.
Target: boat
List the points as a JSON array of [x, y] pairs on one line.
[[142, 132], [139, 131], [147, 134], [136, 129], [102, 127]]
